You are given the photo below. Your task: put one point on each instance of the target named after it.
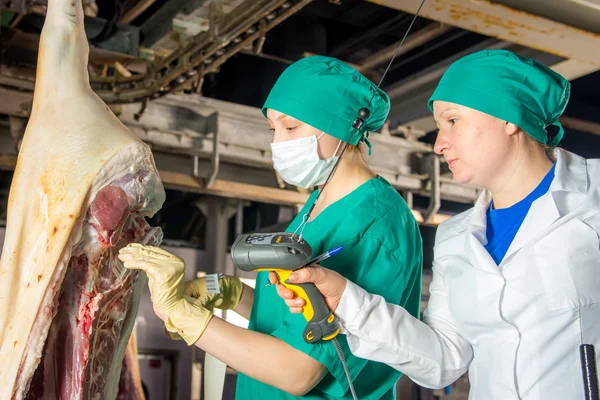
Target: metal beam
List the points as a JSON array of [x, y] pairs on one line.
[[244, 140], [377, 30], [413, 41], [502, 22], [235, 190], [160, 23], [220, 188], [182, 125], [185, 67], [582, 14], [514, 28], [573, 69], [136, 10], [581, 125], [423, 82]]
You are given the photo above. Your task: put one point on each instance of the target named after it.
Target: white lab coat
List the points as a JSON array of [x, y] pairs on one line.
[[515, 327]]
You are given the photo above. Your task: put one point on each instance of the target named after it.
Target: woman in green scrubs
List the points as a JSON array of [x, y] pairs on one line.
[[311, 110]]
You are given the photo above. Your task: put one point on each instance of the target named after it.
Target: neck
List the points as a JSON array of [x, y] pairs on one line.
[[352, 171], [520, 177]]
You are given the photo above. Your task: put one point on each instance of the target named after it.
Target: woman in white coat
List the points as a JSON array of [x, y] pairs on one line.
[[516, 279]]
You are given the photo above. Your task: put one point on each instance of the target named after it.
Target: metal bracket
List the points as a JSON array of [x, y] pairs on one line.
[[216, 19], [211, 126], [435, 200], [258, 44], [408, 197], [139, 114]]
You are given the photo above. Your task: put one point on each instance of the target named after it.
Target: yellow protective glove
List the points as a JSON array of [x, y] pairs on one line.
[[165, 273], [231, 288]]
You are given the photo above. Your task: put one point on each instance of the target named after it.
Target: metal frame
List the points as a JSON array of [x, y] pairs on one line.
[[573, 52], [435, 199], [242, 138], [212, 123], [205, 53], [236, 161], [506, 23]]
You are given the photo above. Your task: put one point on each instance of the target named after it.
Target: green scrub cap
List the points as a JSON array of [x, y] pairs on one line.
[[509, 87], [327, 94]]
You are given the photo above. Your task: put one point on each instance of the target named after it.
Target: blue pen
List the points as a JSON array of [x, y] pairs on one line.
[[325, 255], [320, 258]]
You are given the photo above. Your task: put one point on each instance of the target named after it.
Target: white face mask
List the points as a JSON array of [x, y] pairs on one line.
[[298, 162]]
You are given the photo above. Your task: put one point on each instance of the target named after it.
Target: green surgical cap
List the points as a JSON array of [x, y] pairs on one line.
[[327, 94], [509, 87]]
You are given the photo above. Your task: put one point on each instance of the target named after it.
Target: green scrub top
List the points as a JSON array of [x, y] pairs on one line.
[[382, 253]]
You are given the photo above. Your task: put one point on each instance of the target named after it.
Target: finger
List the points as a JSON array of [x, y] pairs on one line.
[[159, 250], [151, 269], [146, 252], [137, 248], [297, 302], [284, 292], [273, 278], [124, 256], [296, 310], [308, 274], [140, 246]]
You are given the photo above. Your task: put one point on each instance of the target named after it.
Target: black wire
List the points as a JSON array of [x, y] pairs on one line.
[[439, 43], [368, 105], [397, 50]]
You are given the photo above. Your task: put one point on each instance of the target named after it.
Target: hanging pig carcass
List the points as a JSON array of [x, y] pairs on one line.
[[82, 188]]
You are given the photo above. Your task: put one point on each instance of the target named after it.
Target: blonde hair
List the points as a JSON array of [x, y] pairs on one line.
[[358, 148]]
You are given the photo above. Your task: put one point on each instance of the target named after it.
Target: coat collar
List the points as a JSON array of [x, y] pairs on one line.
[[571, 177], [571, 173]]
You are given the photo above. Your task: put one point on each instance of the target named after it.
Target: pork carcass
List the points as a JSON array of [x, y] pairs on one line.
[[82, 188]]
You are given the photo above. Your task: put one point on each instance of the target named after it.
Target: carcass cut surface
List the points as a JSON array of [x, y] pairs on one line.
[[82, 189]]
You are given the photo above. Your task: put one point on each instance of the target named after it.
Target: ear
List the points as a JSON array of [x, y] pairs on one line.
[[510, 128]]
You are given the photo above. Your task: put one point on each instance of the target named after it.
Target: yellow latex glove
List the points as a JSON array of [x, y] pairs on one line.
[[230, 287], [165, 273]]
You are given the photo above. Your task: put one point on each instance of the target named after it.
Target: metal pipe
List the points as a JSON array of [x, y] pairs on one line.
[[238, 24], [239, 218], [214, 171], [435, 200]]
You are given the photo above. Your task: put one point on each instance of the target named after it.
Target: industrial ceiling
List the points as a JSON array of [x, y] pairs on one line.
[[188, 76]]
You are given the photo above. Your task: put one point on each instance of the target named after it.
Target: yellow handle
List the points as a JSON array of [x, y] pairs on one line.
[[308, 311], [322, 323]]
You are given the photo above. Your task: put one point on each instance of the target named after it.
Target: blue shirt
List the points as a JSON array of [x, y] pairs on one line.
[[503, 224]]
